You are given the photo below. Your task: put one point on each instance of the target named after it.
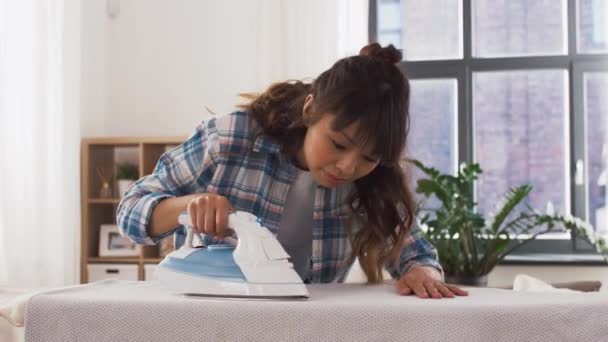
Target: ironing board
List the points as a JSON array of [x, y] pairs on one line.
[[144, 311]]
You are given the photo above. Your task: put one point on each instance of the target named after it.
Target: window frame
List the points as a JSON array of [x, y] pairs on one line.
[[574, 63]]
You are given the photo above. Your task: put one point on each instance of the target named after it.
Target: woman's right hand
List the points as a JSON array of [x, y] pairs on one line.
[[209, 214]]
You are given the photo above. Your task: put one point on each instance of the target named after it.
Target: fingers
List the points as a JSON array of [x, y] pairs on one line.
[[444, 290], [420, 290], [209, 214], [432, 288], [407, 288], [209, 217], [402, 288], [221, 218], [199, 220], [457, 291], [429, 289]]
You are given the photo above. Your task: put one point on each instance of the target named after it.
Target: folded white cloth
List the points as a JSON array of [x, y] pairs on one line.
[[12, 305], [13, 302], [526, 283], [10, 333]]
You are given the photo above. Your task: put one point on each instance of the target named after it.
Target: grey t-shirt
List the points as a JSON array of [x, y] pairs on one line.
[[295, 229]]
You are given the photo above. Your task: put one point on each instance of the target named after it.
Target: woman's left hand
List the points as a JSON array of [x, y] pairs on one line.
[[425, 282]]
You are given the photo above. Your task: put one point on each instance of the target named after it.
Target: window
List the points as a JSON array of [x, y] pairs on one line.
[[592, 30], [595, 88], [520, 86], [520, 135], [518, 28], [433, 135]]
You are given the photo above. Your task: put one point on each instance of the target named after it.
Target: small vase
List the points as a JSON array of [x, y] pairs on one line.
[[480, 281], [105, 191], [123, 186]]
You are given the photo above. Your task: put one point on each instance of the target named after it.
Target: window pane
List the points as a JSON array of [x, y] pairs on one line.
[[390, 37], [432, 29], [389, 23], [433, 110], [520, 133], [432, 138], [596, 113], [592, 26], [504, 28]]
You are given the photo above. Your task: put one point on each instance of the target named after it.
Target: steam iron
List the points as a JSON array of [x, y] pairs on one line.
[[255, 266]]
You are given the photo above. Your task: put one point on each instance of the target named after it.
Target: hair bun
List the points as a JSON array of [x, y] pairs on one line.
[[388, 53]]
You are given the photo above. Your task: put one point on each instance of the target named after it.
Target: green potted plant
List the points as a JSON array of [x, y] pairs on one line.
[[468, 244], [126, 175]]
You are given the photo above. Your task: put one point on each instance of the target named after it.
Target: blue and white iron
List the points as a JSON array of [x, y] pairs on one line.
[[256, 267]]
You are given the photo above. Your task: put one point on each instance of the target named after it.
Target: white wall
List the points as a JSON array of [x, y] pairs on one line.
[[94, 68], [154, 67]]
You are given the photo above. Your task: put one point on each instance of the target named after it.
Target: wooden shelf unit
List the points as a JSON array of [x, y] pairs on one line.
[[101, 152]]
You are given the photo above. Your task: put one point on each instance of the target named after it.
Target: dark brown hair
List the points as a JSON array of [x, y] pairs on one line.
[[370, 89]]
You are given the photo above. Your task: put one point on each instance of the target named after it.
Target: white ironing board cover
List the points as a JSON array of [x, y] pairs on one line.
[[144, 311]]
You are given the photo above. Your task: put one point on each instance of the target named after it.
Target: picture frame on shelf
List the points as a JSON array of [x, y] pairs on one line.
[[113, 244]]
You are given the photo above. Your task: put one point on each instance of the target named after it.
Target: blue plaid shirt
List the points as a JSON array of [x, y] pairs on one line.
[[226, 156]]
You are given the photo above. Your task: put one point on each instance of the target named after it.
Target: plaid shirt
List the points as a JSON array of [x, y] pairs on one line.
[[226, 156]]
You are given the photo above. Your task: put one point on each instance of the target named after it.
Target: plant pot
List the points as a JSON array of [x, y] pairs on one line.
[[124, 185], [480, 281]]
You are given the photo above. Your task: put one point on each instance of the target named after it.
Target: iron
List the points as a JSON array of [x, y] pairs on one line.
[[254, 265]]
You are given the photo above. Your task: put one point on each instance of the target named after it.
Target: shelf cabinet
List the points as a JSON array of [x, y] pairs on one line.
[[100, 157]]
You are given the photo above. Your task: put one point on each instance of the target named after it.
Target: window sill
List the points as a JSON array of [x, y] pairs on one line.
[[554, 259]]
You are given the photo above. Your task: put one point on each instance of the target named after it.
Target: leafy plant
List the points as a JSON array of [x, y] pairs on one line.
[[468, 244], [127, 171]]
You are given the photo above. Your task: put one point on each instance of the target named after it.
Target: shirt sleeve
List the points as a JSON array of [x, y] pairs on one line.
[[184, 170], [417, 251]]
